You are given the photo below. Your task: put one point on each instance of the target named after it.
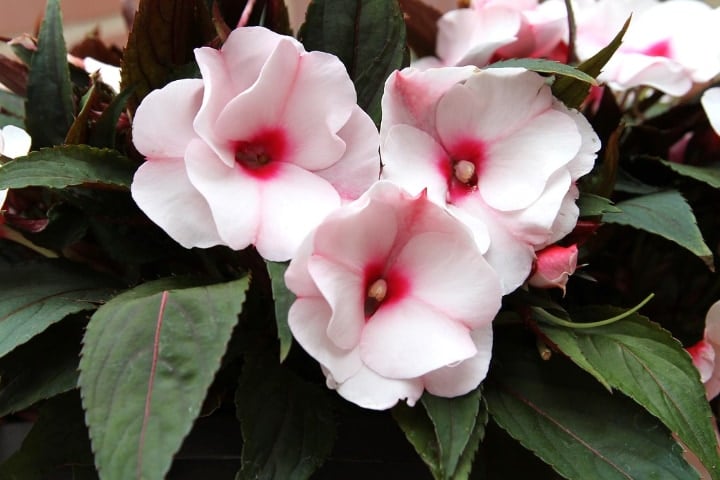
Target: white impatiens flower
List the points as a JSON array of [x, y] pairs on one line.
[[668, 46], [496, 149], [14, 142]]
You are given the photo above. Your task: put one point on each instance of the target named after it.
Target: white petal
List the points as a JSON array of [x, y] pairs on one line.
[[15, 141], [370, 390]]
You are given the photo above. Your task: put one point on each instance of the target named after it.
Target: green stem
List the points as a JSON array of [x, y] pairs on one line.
[[544, 315]]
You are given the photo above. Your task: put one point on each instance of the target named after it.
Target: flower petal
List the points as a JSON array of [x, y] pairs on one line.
[[162, 190], [308, 319], [448, 274], [163, 123], [15, 141], [395, 340], [710, 101], [370, 390], [456, 380]]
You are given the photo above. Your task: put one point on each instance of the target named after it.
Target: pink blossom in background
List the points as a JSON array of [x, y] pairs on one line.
[[710, 101], [553, 267], [706, 352], [259, 151], [668, 46], [496, 29], [14, 142], [494, 148], [393, 298]]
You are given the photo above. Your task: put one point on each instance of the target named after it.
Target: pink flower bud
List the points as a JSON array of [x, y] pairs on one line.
[[553, 266]]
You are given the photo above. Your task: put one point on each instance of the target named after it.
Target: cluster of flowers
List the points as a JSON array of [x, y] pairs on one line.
[[402, 241]]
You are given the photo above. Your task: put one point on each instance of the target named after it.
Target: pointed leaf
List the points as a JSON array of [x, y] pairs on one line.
[[546, 66], [593, 205], [161, 43], [58, 439], [646, 363], [35, 296], [447, 433], [283, 299], [666, 214], [105, 129], [367, 35], [287, 424], [570, 422], [148, 358], [41, 368], [67, 165], [709, 174], [571, 91], [12, 103], [49, 91]]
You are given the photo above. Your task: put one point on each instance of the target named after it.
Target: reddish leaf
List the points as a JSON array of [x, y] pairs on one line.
[[421, 23]]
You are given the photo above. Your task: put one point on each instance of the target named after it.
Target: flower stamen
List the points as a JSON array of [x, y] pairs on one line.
[[378, 290], [464, 171]]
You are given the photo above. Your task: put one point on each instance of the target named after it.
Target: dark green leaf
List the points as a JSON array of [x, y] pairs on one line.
[[11, 120], [49, 91], [666, 214], [149, 356], [283, 299], [41, 368], [592, 205], [709, 174], [447, 434], [161, 42], [581, 430], [79, 128], [546, 66], [627, 183], [287, 424], [367, 35], [646, 363], [57, 441], [571, 91], [67, 165], [104, 131], [35, 296]]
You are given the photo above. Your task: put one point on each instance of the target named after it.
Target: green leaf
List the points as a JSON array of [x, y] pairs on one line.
[[67, 165], [149, 356], [79, 128], [161, 43], [709, 174], [12, 104], [447, 434], [571, 91], [546, 66], [593, 205], [571, 423], [647, 364], [367, 35], [287, 424], [41, 368], [57, 444], [105, 129], [37, 295], [666, 214], [283, 299], [49, 91]]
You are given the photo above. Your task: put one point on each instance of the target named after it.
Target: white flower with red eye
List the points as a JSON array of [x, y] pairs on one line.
[[668, 46], [259, 151], [490, 30], [706, 352], [393, 298], [494, 148]]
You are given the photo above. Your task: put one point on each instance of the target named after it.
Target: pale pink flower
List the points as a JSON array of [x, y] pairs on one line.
[[259, 151], [493, 147], [393, 298], [710, 101], [553, 267], [14, 142], [496, 29], [668, 46], [706, 353]]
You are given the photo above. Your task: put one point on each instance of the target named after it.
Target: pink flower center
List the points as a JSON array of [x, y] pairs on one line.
[[382, 290], [659, 49], [260, 155], [462, 167]]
